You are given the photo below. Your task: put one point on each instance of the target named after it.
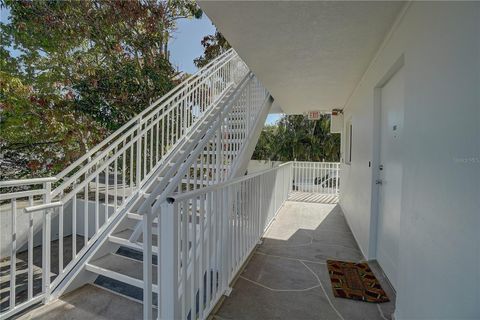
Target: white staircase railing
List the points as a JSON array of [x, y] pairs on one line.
[[209, 163], [89, 193], [207, 235]]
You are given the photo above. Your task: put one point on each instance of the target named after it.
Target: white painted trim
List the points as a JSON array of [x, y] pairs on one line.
[[375, 172]]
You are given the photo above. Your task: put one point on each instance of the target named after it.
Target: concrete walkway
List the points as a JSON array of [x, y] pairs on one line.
[[88, 302], [287, 277]]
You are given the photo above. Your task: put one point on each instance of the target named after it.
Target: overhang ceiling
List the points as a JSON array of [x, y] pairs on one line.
[[310, 55]]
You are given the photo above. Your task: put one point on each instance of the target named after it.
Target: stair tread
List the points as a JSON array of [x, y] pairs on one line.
[[139, 217], [125, 234], [122, 265]]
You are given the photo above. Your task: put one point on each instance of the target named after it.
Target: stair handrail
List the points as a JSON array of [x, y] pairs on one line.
[[161, 102], [168, 96], [140, 121], [158, 196], [82, 180]]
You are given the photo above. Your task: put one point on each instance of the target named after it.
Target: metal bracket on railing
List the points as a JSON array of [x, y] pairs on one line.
[[41, 207], [227, 292]]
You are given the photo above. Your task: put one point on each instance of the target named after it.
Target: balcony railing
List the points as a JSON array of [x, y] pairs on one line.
[[206, 235], [316, 177]]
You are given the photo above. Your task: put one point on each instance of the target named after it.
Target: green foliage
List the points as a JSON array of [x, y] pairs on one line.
[[213, 46], [78, 71], [296, 137]]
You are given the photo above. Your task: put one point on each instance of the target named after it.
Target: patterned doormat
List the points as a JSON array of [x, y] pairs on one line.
[[355, 281]]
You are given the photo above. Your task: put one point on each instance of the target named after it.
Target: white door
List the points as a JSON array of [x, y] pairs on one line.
[[390, 189]]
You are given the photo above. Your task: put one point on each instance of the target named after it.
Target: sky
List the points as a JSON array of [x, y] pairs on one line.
[[186, 46], [186, 43]]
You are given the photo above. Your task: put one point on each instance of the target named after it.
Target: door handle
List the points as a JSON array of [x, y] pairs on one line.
[[380, 182]]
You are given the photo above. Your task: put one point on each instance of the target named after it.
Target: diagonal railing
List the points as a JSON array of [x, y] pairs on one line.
[[209, 163], [74, 207]]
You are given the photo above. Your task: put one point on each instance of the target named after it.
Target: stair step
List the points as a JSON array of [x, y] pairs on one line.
[[134, 216], [138, 217], [160, 178], [126, 243], [124, 236], [122, 269]]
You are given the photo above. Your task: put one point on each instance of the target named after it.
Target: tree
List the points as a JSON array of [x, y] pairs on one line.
[[74, 71], [213, 46], [296, 137]]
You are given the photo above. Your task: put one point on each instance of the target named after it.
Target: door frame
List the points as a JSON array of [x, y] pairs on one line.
[[376, 138]]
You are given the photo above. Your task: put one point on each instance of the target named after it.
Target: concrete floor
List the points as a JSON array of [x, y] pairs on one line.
[[88, 302], [287, 277], [21, 279]]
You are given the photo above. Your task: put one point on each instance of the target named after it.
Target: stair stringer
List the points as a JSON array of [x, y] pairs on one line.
[[182, 161], [246, 153], [78, 275]]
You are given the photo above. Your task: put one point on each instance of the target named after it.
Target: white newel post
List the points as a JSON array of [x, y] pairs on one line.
[[46, 236], [168, 261], [138, 166], [147, 265]]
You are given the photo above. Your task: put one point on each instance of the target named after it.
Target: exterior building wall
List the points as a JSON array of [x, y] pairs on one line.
[[439, 260]]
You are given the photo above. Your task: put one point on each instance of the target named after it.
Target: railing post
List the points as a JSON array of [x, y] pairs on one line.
[[225, 241], [147, 265], [249, 103], [337, 182], [168, 220], [46, 235], [275, 191], [218, 155], [290, 189], [139, 155], [13, 254], [260, 205]]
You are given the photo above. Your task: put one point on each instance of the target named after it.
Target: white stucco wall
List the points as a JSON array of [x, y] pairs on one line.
[[439, 268]]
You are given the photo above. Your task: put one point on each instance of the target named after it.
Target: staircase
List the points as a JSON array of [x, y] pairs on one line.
[[108, 202]]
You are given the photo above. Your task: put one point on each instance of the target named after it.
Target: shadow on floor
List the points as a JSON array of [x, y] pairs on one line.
[[287, 277], [313, 197]]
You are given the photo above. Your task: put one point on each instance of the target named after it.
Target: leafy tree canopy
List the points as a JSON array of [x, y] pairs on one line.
[[71, 72], [213, 46], [296, 137]]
